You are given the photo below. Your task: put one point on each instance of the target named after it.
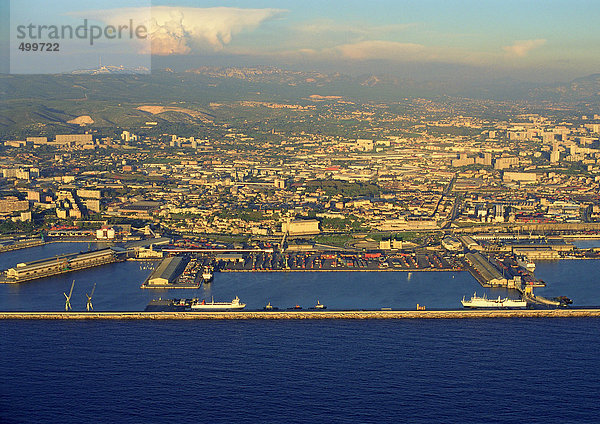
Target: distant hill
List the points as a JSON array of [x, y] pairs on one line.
[[31, 103], [47, 104], [578, 90]]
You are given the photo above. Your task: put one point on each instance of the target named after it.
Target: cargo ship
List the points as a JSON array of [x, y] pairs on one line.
[[484, 303], [197, 305]]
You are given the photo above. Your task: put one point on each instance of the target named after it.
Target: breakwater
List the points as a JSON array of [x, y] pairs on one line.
[[304, 315], [348, 270]]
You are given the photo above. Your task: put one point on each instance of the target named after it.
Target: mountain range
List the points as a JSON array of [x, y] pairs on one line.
[[30, 102]]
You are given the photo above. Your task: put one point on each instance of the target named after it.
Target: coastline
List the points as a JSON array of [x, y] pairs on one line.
[[304, 315]]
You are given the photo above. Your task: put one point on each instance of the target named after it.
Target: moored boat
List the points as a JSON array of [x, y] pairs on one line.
[[207, 274], [564, 300], [477, 302], [197, 305], [270, 307]]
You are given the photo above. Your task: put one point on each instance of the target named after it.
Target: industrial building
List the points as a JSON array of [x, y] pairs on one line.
[[470, 244], [301, 227], [537, 253], [452, 244], [105, 233], [147, 243], [390, 244], [488, 272], [523, 177], [27, 271], [230, 257], [167, 272]]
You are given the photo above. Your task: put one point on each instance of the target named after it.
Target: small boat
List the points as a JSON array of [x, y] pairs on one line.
[[270, 307], [297, 308], [564, 300], [319, 305]]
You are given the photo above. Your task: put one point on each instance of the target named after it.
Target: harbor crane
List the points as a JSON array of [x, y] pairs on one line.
[[89, 305], [68, 298]]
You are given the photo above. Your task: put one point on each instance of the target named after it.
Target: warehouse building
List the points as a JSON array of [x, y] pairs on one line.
[[167, 272]]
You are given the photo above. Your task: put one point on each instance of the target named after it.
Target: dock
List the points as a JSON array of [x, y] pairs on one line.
[[305, 315], [10, 245], [174, 272], [28, 271], [310, 261]]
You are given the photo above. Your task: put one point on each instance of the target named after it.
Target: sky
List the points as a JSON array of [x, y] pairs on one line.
[[532, 40]]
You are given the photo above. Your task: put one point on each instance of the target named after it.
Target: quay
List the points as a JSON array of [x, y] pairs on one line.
[[347, 270], [305, 315], [10, 245], [488, 275], [28, 271], [184, 268], [174, 272]]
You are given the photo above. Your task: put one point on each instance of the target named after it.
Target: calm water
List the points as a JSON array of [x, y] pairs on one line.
[[438, 371], [118, 286], [586, 243]]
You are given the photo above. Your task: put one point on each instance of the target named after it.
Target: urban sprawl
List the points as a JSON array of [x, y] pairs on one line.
[[375, 181]]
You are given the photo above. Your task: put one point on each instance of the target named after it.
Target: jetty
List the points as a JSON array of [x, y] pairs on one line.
[[305, 315], [28, 271], [9, 245]]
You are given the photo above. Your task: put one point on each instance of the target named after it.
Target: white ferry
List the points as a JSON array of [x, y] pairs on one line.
[[483, 302], [197, 305]]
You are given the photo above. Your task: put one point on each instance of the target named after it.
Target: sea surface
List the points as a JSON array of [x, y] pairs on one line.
[[338, 371], [586, 243], [118, 286]]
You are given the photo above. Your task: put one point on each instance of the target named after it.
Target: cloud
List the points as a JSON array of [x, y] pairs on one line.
[[399, 52], [323, 32], [184, 30], [523, 47], [329, 27], [391, 51], [377, 49], [178, 30]]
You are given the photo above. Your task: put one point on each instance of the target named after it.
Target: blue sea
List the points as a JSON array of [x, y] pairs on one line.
[[375, 371], [416, 371]]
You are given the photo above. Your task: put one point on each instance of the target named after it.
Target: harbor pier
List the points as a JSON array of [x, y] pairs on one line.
[[28, 271], [306, 315], [10, 245]]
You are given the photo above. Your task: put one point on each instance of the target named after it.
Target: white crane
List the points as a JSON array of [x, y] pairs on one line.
[[89, 305], [68, 298]]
